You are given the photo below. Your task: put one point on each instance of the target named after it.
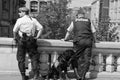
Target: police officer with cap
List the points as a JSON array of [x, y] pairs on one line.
[[24, 32], [82, 43]]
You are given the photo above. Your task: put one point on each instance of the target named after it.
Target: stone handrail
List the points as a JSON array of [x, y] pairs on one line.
[[105, 54]]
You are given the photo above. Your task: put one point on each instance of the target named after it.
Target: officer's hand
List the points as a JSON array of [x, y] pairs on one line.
[[15, 40], [64, 40]]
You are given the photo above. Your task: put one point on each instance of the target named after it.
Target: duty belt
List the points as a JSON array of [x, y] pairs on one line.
[[24, 33]]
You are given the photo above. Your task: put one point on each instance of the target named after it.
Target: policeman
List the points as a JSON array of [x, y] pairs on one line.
[[82, 43], [24, 34]]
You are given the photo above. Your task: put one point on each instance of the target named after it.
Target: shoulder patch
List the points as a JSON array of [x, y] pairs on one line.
[[82, 19]]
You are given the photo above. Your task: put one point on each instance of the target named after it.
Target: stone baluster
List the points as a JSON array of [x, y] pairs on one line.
[[92, 67], [99, 62], [118, 64], [109, 63], [44, 63], [54, 57], [98, 67]]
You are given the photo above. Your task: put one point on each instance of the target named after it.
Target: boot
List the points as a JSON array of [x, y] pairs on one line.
[[79, 79]]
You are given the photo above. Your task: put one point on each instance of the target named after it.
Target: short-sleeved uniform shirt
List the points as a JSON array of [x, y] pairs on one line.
[[27, 25]]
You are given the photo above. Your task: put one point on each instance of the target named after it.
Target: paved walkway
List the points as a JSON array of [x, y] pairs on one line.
[[18, 77], [9, 77]]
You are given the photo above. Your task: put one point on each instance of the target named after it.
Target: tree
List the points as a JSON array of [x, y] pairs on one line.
[[106, 31], [53, 17]]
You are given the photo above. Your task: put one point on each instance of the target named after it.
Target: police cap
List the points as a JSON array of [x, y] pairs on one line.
[[23, 9]]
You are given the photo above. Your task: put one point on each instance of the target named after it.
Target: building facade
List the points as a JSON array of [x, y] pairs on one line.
[[8, 16], [109, 9], [114, 13], [99, 11], [36, 5], [95, 9]]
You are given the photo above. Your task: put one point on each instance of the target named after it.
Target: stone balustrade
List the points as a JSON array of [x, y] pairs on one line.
[[106, 56]]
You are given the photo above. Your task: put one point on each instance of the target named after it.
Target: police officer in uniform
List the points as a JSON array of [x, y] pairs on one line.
[[24, 32], [82, 43]]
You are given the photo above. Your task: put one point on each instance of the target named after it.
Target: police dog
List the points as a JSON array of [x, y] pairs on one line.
[[61, 65]]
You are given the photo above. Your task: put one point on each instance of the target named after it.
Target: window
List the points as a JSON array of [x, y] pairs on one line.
[[34, 6], [43, 5]]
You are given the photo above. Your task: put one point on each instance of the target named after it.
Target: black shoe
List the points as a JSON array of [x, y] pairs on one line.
[[81, 79], [24, 77]]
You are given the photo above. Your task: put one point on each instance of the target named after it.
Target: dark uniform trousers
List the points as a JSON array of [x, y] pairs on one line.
[[27, 45], [82, 46]]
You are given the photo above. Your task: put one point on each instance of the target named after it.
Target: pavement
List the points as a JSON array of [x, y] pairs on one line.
[[16, 76], [10, 77]]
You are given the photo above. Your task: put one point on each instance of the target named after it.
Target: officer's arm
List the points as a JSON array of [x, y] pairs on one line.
[[94, 37], [67, 35], [39, 33], [39, 27], [15, 29], [93, 31], [69, 31], [14, 35]]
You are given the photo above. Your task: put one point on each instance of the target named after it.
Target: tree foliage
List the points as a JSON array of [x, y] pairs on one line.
[[106, 31], [53, 17]]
